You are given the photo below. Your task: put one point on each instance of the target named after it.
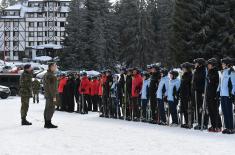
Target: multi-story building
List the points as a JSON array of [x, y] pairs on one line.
[[34, 28]]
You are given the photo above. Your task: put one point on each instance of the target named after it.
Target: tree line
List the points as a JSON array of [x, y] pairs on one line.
[[139, 32]]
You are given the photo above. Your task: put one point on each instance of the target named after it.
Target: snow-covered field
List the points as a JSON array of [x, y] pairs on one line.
[[89, 134]]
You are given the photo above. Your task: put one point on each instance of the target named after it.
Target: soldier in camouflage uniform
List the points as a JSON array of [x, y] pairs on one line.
[[25, 92], [36, 89], [50, 86]]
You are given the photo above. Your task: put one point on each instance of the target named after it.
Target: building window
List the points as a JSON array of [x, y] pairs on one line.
[[55, 23], [40, 4], [51, 14], [45, 33], [31, 24], [7, 43], [15, 24], [16, 13], [15, 53], [7, 24], [40, 24], [40, 34], [15, 33], [51, 4], [62, 34], [55, 33], [30, 15], [7, 33], [36, 4], [51, 34], [45, 23], [40, 15], [31, 34], [61, 24], [50, 23], [31, 43], [15, 43], [30, 4], [39, 43]]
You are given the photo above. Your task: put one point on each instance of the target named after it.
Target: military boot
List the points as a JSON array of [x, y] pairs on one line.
[[25, 122], [49, 125]]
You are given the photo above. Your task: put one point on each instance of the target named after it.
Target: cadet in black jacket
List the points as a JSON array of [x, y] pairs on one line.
[[128, 93], [186, 93], [106, 93], [154, 81], [212, 99], [199, 88]]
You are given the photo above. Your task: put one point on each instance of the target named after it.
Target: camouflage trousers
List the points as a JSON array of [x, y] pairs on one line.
[[36, 97], [49, 109], [24, 107]]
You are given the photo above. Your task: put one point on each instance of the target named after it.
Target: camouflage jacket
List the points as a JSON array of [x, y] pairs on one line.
[[50, 84], [36, 86], [25, 84]]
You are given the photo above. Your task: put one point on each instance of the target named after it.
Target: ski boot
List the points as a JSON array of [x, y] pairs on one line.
[[162, 123]]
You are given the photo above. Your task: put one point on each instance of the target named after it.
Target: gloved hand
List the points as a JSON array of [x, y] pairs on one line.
[[218, 95]]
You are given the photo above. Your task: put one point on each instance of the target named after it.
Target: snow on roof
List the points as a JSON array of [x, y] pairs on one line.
[[64, 9], [53, 46], [43, 58], [46, 0], [14, 7]]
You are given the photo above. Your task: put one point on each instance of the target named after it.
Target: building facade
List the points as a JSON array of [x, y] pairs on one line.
[[35, 23]]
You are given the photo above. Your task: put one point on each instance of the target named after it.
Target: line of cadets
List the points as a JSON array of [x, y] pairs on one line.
[[159, 96]]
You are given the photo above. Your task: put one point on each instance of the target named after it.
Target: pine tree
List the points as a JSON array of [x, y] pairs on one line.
[[186, 24], [218, 27], [73, 53], [164, 29], [137, 37]]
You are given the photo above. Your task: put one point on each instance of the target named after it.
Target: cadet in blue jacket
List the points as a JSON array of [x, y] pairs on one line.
[[226, 89], [172, 96], [162, 94], [144, 95]]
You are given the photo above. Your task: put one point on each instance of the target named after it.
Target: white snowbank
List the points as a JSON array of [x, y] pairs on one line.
[[89, 135]]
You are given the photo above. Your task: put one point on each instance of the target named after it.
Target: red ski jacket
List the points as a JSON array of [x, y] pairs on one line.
[[94, 87], [137, 82], [101, 84], [84, 86], [62, 83]]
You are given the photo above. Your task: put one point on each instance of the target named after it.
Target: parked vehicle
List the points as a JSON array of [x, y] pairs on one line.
[[11, 81], [4, 92], [10, 69]]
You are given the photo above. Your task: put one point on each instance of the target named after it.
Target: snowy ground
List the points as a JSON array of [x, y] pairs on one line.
[[89, 134]]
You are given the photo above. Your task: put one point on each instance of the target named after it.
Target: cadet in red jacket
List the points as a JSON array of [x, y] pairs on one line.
[[62, 83], [103, 79], [84, 90], [94, 92], [137, 82]]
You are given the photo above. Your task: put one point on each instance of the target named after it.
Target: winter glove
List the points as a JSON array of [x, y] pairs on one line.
[[164, 98], [54, 99], [233, 99]]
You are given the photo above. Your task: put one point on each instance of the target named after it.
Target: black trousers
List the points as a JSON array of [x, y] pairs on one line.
[[94, 102], [153, 107], [135, 107], [63, 102], [89, 102], [213, 109], [84, 102], [199, 110]]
